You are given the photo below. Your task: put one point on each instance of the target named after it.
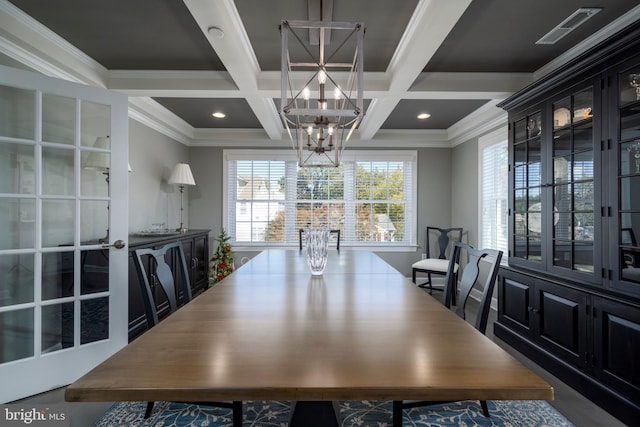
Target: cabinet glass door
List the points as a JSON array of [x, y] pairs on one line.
[[573, 182], [628, 154], [527, 180]]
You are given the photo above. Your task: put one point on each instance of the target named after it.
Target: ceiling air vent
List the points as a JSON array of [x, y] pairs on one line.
[[571, 23]]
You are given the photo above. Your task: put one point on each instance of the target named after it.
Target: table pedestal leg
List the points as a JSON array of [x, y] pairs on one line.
[[315, 414]]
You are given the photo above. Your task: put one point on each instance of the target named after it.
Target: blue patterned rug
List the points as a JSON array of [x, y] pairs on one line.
[[509, 413]]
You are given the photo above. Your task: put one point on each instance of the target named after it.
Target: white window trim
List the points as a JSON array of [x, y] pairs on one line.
[[350, 155], [497, 136]]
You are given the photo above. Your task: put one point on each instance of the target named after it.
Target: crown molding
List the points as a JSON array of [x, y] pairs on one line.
[[478, 123]]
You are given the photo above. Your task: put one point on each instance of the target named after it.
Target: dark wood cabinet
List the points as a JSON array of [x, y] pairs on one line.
[[195, 244], [570, 298], [551, 316]]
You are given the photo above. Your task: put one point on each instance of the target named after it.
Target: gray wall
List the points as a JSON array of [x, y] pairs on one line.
[[447, 189], [464, 176], [152, 156]]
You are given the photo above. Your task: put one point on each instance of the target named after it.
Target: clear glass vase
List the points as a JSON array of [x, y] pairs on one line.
[[317, 241]]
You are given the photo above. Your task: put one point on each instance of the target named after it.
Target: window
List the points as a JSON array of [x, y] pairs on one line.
[[493, 158], [370, 197]]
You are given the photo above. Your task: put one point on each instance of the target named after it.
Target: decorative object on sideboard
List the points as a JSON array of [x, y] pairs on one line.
[[222, 263], [181, 176], [320, 130]]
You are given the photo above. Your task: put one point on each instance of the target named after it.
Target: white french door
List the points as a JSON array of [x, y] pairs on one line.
[[63, 204]]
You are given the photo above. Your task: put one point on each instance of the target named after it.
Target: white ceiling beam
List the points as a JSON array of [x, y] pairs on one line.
[[237, 55], [429, 25], [218, 84]]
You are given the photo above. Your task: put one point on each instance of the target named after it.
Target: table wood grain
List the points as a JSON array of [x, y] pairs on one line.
[[271, 331]]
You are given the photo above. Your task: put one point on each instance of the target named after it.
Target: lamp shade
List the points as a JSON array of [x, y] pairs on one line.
[[181, 175]]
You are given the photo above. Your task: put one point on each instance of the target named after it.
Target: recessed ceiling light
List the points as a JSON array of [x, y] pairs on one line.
[[219, 115], [423, 116], [215, 32]]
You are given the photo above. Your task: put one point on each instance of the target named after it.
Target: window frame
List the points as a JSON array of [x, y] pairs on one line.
[[410, 156], [496, 137]]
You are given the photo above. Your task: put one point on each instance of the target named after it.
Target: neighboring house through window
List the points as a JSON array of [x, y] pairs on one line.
[[370, 197]]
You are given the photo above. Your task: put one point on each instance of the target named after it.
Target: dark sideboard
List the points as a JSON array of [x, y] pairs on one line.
[[195, 244]]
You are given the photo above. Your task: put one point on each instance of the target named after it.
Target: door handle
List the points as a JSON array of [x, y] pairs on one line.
[[118, 244]]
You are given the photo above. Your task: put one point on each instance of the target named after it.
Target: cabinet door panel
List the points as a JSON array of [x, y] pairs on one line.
[[561, 324], [617, 346], [515, 301]]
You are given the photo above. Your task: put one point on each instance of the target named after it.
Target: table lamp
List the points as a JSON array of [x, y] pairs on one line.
[[181, 175]]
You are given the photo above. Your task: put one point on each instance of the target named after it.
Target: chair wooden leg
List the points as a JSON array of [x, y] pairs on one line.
[[485, 409], [147, 412], [237, 413], [397, 413]]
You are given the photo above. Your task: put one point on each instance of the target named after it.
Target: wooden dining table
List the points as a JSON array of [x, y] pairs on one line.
[[272, 331]]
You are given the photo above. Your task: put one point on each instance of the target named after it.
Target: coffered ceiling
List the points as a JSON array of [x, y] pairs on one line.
[[454, 59]]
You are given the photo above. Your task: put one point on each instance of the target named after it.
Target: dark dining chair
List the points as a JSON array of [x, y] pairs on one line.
[[481, 272], [334, 232], [436, 263], [161, 281]]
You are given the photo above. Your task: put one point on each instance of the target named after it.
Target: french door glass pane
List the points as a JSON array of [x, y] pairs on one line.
[[57, 274], [17, 175], [16, 277], [95, 122], [58, 222], [57, 327], [94, 271], [94, 221], [17, 112], [94, 320], [57, 171], [58, 119], [95, 183], [16, 335], [18, 219]]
